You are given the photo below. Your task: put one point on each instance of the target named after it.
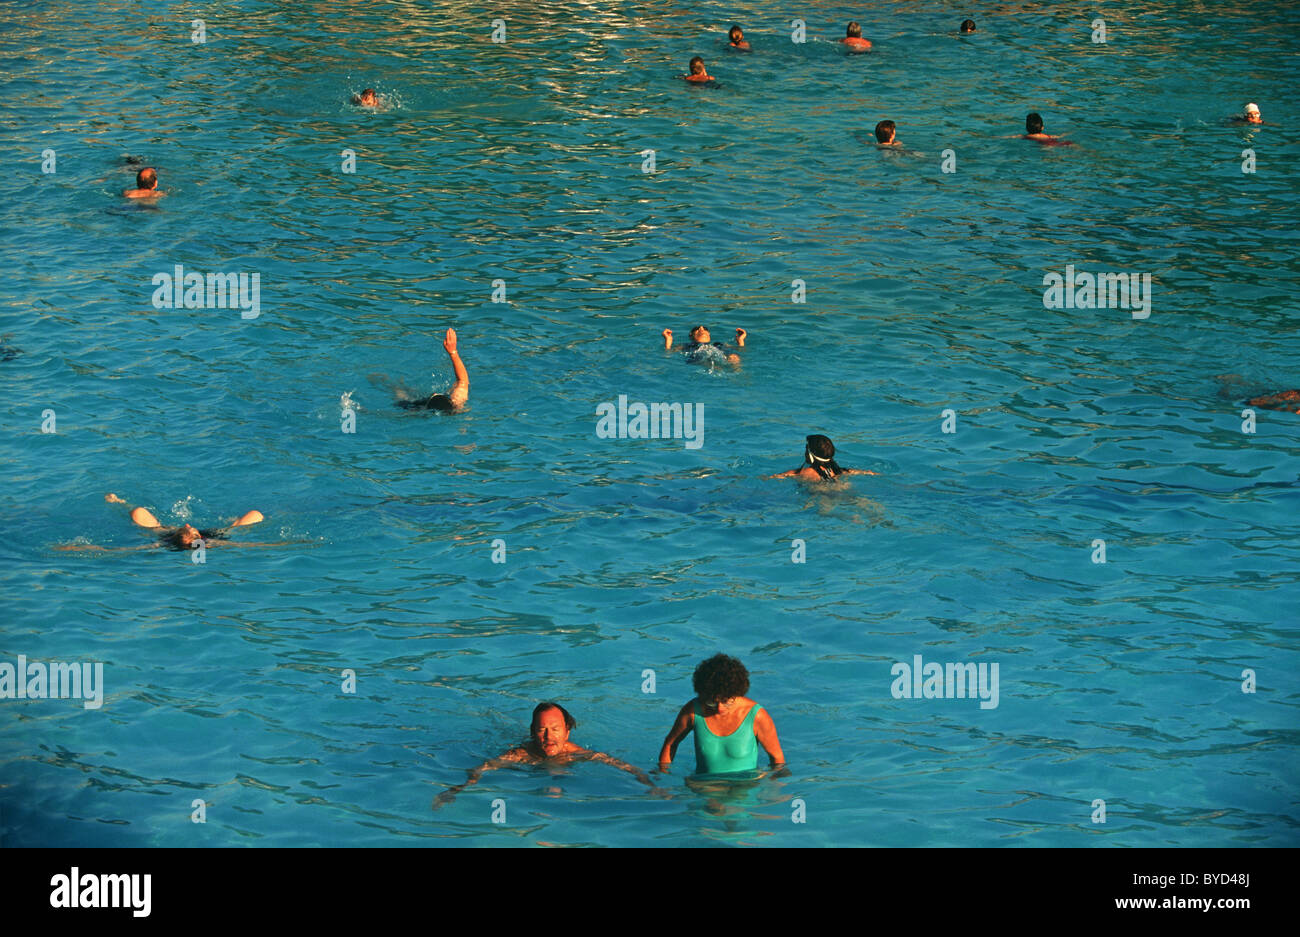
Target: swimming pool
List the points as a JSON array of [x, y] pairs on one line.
[[521, 162]]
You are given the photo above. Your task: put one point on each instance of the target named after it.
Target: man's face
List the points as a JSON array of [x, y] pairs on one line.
[[1254, 117], [188, 535], [701, 335], [551, 733]]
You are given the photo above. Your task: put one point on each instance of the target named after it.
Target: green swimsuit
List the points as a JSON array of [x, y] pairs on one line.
[[719, 754]]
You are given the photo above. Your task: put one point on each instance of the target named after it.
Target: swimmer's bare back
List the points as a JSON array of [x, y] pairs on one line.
[[1287, 401]]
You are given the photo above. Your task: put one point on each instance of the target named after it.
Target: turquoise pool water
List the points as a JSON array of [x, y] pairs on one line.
[[522, 162]]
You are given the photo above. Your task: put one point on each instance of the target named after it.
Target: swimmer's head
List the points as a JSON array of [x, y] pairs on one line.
[[1033, 123], [853, 31], [146, 179], [885, 131], [701, 334], [551, 726], [697, 66], [440, 402], [366, 98], [819, 454], [736, 34], [1251, 113], [184, 537], [720, 679], [968, 26]]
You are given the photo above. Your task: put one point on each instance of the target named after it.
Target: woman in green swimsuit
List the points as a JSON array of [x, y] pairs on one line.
[[728, 726]]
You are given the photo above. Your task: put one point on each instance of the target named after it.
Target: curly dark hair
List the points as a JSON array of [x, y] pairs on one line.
[[720, 677]]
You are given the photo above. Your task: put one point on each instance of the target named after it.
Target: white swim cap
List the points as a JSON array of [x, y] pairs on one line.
[[1252, 109]]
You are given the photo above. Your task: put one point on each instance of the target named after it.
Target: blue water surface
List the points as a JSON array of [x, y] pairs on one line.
[[522, 162]]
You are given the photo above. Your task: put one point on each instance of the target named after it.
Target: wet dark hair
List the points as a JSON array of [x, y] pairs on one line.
[[692, 65], [731, 33], [434, 402], [1033, 123], [823, 448], [968, 26], [854, 31], [540, 708], [146, 178], [172, 538], [720, 677], [883, 131]]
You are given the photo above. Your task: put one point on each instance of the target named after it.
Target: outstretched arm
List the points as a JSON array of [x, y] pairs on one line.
[[789, 474], [684, 723], [447, 796], [460, 391], [622, 766]]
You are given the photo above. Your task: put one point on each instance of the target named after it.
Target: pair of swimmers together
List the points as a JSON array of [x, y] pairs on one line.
[[729, 729]]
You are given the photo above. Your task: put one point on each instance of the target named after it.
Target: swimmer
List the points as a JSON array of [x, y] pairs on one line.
[[967, 26], [146, 185], [736, 36], [819, 463], [885, 134], [548, 743], [701, 349], [366, 98], [1249, 115], [697, 71], [1034, 131], [184, 537], [449, 403], [853, 38], [1288, 401], [729, 727]]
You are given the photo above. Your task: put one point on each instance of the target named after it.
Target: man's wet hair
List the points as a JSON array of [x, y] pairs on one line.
[[540, 708], [146, 179], [968, 26], [731, 33], [697, 61], [853, 31], [719, 678], [1033, 123], [434, 402], [884, 130]]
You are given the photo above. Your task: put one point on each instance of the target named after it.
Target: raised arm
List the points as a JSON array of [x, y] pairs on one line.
[[460, 391], [668, 339], [684, 724], [741, 335]]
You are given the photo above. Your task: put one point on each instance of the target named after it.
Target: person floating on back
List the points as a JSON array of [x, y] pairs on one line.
[[548, 743], [146, 185], [701, 349], [736, 36], [853, 38], [184, 537], [366, 98], [1034, 131], [819, 463], [967, 26], [450, 402], [885, 134], [728, 726], [698, 73]]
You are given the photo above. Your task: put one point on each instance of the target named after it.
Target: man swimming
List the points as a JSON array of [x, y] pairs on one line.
[[448, 403], [1034, 131], [701, 349], [697, 71], [819, 463], [853, 38], [736, 36], [885, 134], [184, 537], [548, 743], [366, 98], [1249, 115], [146, 185], [1288, 401], [967, 26]]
